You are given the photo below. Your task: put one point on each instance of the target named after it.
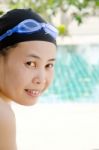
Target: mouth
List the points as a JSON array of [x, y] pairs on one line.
[[32, 92]]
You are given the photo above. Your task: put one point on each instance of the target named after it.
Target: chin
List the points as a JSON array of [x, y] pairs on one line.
[[28, 102]]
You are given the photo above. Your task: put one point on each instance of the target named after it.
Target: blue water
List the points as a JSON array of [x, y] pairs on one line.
[[76, 75]]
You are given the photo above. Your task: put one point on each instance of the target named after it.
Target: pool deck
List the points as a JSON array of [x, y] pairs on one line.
[[58, 126]]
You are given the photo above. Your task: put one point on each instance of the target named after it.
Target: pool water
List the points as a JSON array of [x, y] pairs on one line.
[[76, 75]]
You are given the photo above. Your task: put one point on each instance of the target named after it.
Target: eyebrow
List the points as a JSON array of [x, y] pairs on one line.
[[37, 57]]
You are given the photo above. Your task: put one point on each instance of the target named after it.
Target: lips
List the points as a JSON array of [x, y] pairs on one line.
[[33, 93]]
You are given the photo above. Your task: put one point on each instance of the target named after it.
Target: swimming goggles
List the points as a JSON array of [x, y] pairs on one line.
[[29, 26]]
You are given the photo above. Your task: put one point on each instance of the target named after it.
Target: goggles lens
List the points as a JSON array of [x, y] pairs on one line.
[[29, 26]]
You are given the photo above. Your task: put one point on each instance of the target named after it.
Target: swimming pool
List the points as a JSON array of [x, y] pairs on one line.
[[76, 75]]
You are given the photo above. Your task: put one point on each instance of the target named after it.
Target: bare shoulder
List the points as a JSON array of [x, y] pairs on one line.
[[7, 128]]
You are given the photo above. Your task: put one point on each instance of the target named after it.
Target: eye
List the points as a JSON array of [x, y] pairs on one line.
[[49, 66], [31, 64]]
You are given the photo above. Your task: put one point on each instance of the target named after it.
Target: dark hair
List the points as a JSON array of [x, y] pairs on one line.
[[13, 18], [6, 50]]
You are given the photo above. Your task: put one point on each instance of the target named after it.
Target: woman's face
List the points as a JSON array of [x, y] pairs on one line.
[[27, 71]]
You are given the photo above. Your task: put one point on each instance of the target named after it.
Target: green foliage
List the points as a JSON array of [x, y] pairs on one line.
[[50, 7], [63, 30], [78, 18], [97, 3], [1, 12]]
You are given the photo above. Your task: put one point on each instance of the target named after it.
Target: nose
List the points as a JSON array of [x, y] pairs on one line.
[[40, 77]]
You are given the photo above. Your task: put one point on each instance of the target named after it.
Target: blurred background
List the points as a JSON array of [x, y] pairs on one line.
[[67, 115]]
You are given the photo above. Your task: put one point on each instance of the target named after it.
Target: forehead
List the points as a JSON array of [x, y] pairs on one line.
[[40, 48]]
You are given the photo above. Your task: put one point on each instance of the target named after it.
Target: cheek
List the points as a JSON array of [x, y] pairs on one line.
[[50, 77], [13, 81], [15, 77]]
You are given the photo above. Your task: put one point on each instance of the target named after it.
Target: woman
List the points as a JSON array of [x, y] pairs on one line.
[[27, 58]]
